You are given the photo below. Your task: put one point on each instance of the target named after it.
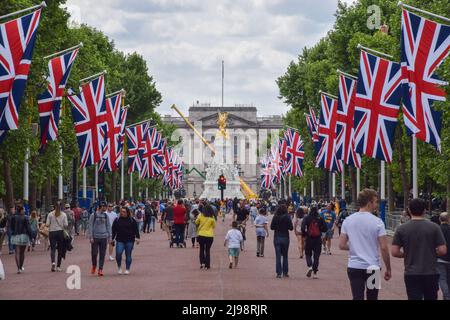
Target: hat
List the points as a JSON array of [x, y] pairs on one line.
[[67, 206]]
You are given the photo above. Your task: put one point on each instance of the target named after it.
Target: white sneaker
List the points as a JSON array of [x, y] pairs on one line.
[[315, 276], [119, 271], [127, 271], [111, 258], [58, 269]]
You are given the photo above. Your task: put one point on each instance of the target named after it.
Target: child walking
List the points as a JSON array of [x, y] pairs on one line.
[[233, 239]]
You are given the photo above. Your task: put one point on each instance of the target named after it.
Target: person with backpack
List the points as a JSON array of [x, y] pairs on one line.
[[281, 224], [147, 217], [99, 235], [70, 219], [139, 216], [125, 232], [312, 227], [343, 214]]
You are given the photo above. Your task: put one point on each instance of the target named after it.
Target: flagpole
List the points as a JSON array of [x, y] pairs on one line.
[[84, 183], [60, 177], [312, 189], [93, 76], [284, 190], [122, 195], [346, 74], [343, 183], [358, 182], [359, 46], [42, 5], [328, 94], [333, 184], [414, 167], [382, 181], [26, 171], [131, 185], [115, 93], [96, 181], [290, 188], [403, 5], [141, 122], [60, 53]]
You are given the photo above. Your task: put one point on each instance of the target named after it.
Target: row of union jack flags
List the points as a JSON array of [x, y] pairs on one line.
[[362, 119], [285, 158], [149, 155]]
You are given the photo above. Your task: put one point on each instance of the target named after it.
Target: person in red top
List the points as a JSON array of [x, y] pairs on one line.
[[179, 215], [77, 217]]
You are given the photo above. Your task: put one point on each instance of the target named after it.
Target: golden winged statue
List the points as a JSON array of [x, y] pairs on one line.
[[222, 123]]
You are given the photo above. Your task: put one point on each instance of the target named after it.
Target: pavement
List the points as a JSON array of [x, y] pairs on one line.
[[159, 272]]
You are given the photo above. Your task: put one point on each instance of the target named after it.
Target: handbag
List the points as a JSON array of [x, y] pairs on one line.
[[67, 237]]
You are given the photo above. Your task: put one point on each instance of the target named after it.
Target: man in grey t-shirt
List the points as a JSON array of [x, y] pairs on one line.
[[422, 242]]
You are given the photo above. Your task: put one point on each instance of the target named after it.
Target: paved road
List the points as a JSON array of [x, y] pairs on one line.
[[159, 272]]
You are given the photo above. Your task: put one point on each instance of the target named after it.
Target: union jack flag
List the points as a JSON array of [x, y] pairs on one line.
[[326, 157], [179, 175], [312, 124], [150, 155], [424, 45], [345, 132], [49, 102], [294, 153], [277, 162], [90, 119], [136, 136], [168, 166], [113, 135], [17, 39], [377, 104], [267, 177], [123, 121]]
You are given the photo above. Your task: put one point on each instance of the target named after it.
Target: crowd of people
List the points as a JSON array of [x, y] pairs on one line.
[[117, 228]]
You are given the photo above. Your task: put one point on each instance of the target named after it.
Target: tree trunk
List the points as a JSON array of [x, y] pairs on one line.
[[113, 187], [48, 193], [390, 190], [448, 195], [402, 162], [9, 200]]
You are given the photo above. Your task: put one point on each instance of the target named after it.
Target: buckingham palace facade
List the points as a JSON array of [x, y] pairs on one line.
[[248, 140]]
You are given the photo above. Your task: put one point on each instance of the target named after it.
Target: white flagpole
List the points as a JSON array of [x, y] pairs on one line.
[[334, 185], [284, 189], [343, 183], [131, 185], [26, 171], [42, 5], [146, 193], [122, 195], [290, 188], [403, 5], [60, 53], [60, 177], [312, 189], [358, 181], [84, 183], [96, 182], [304, 192], [414, 167], [382, 181]]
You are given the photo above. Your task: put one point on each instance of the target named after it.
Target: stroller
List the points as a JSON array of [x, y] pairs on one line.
[[173, 238]]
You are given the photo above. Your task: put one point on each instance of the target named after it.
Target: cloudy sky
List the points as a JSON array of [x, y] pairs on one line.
[[184, 42]]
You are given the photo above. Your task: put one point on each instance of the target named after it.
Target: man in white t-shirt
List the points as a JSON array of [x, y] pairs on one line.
[[364, 235], [234, 239], [112, 215]]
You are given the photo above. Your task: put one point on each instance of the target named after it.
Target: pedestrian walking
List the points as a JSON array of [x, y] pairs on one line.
[[179, 222], [313, 226], [262, 231], [206, 224], [11, 213], [34, 226], [419, 242], [77, 212], [192, 227], [299, 215], [99, 235], [70, 219], [20, 236], [167, 218], [329, 216], [139, 216], [364, 235], [233, 238], [444, 261], [3, 222], [281, 224], [84, 220], [56, 224], [125, 233], [112, 216]]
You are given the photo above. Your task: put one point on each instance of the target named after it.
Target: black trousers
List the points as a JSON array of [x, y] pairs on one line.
[[313, 248], [56, 243], [205, 248], [146, 227], [358, 282], [422, 287], [99, 247]]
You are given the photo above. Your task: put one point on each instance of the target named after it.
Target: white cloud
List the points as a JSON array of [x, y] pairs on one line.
[[184, 42]]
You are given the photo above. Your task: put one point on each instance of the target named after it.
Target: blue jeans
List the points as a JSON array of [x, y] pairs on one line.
[[140, 225], [120, 248], [152, 223], [444, 279], [281, 250], [179, 233], [11, 247]]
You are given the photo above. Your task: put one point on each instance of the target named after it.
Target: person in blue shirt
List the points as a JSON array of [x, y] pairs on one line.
[[330, 218]]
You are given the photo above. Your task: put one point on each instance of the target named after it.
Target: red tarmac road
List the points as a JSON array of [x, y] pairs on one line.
[[160, 272]]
